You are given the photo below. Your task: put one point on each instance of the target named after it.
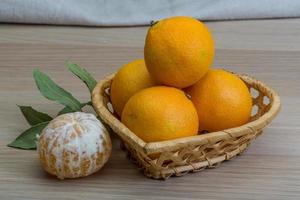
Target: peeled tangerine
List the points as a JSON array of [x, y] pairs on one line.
[[74, 145]]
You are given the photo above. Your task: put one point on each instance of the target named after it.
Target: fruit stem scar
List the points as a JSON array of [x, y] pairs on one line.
[[188, 96], [152, 23]]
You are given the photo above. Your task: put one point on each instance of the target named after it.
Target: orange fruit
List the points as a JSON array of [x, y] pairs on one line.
[[178, 51], [222, 101], [160, 113], [131, 78], [74, 145]]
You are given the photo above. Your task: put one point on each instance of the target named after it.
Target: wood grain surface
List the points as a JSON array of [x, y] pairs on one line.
[[266, 49]]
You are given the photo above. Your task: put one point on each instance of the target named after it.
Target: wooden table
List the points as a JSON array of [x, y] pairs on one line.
[[266, 49]]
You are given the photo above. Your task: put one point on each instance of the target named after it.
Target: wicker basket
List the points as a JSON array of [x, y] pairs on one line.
[[190, 154]]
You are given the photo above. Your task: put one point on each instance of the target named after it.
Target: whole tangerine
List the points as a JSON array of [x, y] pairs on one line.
[[222, 101], [131, 78], [178, 51], [160, 113]]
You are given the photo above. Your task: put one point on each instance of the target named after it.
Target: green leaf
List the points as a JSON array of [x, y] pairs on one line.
[[89, 103], [28, 139], [65, 110], [33, 116], [53, 92], [69, 110], [83, 75]]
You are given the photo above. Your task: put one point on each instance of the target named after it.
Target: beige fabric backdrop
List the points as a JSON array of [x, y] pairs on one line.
[[134, 12]]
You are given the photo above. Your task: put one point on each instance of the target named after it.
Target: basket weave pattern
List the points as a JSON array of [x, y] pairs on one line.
[[190, 154]]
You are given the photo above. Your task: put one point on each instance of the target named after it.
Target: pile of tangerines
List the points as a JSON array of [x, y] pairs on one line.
[[173, 92]]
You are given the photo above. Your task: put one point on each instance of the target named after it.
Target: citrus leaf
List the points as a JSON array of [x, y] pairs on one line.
[[53, 92], [28, 139], [33, 116], [89, 103], [66, 109], [82, 74]]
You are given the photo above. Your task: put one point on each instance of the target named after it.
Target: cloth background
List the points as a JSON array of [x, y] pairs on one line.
[[134, 12]]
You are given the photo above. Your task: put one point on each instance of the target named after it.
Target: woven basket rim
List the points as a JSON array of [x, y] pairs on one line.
[[155, 147]]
